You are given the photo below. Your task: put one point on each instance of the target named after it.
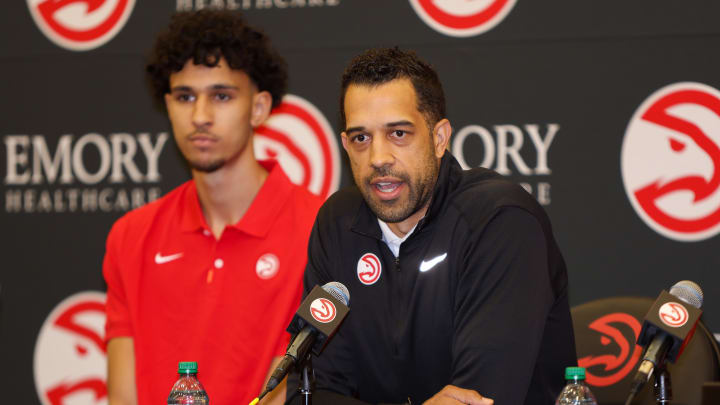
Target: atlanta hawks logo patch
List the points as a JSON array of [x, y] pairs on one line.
[[369, 269], [267, 266]]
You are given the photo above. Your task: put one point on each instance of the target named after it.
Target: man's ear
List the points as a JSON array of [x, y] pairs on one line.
[[344, 138], [261, 106], [441, 136]]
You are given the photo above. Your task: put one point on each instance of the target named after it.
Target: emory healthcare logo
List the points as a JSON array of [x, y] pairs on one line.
[[80, 25], [462, 18], [70, 357], [323, 310], [614, 367], [300, 138], [369, 269], [670, 161], [673, 314]]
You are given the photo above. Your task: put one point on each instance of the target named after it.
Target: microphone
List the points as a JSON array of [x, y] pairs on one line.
[[315, 322], [667, 328]]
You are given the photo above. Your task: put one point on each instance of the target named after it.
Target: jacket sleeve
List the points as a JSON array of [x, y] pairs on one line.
[[502, 299], [334, 368]]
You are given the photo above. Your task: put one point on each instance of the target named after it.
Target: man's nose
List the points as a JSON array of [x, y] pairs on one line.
[[381, 153], [202, 112]]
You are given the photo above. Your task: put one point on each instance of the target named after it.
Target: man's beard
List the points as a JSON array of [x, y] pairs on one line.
[[202, 166], [419, 192], [207, 167]]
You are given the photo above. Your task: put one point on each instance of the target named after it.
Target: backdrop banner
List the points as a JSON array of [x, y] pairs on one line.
[[607, 112]]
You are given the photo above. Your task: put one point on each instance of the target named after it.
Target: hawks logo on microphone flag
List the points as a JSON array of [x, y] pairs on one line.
[[323, 310], [673, 314]]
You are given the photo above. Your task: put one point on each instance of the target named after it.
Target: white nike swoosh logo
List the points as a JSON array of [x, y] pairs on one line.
[[429, 264], [160, 259]]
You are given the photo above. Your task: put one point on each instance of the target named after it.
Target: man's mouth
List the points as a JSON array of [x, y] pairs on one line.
[[386, 187], [202, 140]]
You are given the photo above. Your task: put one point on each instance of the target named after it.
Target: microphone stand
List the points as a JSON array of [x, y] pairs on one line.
[[307, 380], [662, 386], [663, 389]]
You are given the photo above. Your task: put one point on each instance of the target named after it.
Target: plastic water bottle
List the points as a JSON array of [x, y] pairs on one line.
[[187, 390], [575, 392]]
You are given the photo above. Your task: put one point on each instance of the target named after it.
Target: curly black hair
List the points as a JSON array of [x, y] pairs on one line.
[[208, 35], [379, 66]]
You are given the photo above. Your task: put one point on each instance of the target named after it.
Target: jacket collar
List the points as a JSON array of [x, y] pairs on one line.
[[261, 214]]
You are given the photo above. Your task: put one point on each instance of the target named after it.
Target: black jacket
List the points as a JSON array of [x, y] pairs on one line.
[[489, 312]]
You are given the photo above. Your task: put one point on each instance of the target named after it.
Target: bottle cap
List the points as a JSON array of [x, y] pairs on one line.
[[574, 372], [185, 367]]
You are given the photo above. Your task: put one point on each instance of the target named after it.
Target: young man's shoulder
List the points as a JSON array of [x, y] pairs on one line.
[[300, 206], [305, 201], [342, 205], [166, 207]]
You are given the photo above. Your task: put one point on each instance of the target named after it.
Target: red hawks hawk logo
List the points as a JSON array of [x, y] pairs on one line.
[[323, 310], [670, 161], [267, 266], [620, 353], [70, 357], [673, 314], [300, 138], [462, 18], [369, 269], [80, 25]]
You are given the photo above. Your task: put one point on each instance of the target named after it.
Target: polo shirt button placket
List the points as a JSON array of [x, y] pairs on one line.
[[209, 272], [217, 265]]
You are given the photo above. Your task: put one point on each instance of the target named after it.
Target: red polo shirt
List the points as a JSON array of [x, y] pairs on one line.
[[182, 295]]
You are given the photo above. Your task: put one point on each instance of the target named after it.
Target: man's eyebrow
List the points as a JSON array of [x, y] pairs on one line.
[[218, 86], [354, 129], [403, 123], [221, 86], [394, 124], [180, 88]]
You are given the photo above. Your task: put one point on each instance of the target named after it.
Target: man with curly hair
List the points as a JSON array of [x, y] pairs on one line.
[[212, 271], [459, 290]]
